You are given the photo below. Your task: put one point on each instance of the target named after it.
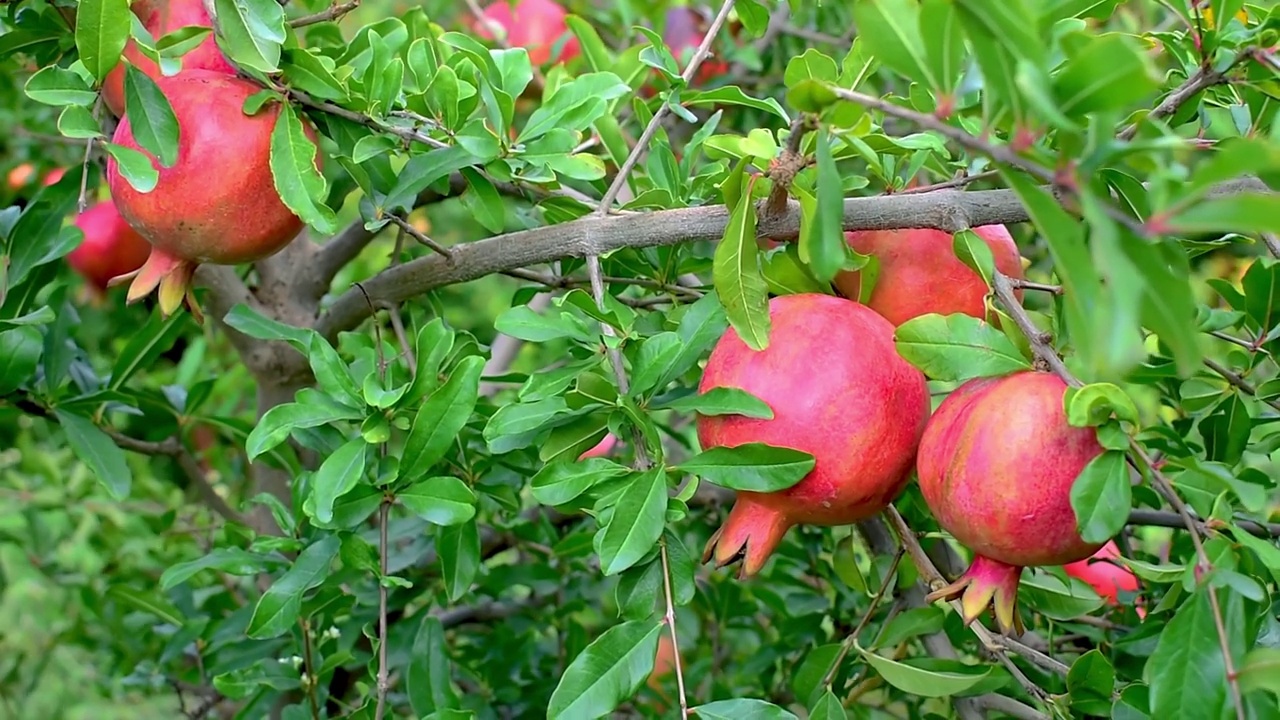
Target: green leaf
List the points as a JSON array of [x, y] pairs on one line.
[[891, 30], [560, 483], [1186, 672], [1057, 599], [337, 475], [258, 326], [828, 707], [1107, 72], [911, 623], [957, 347], [301, 186], [970, 248], [458, 547], [78, 123], [737, 277], [943, 39], [755, 467], [637, 522], [428, 680], [278, 608], [145, 347], [20, 351], [147, 602], [721, 401], [1090, 682], [1093, 405], [230, 560], [97, 450], [440, 500], [154, 125], [741, 709], [253, 32], [102, 30], [54, 85], [785, 274], [1261, 671], [1247, 213], [484, 202], [1101, 497], [310, 73], [593, 48], [277, 423], [827, 248], [441, 418], [926, 683], [733, 95], [135, 167], [606, 672]]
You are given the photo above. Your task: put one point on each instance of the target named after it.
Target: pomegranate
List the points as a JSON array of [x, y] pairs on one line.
[[996, 466], [602, 448], [54, 176], [840, 392], [920, 273], [110, 248], [218, 203], [160, 18], [535, 25], [1108, 579], [684, 31]]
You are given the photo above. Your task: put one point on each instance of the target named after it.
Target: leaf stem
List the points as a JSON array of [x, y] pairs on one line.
[[670, 620]]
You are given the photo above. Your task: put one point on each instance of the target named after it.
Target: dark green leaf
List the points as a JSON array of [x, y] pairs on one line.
[[97, 450], [458, 547], [428, 680], [826, 246], [145, 346], [102, 30], [606, 672], [1091, 681], [151, 119], [440, 419], [1186, 672], [336, 477], [276, 424], [135, 167], [278, 608], [20, 350], [1101, 496], [637, 522], [440, 500], [301, 186], [560, 483], [926, 683], [756, 467], [741, 709], [230, 560], [253, 32], [957, 347], [147, 602], [1261, 671]]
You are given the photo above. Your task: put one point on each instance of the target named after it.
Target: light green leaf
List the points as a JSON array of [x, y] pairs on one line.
[[957, 347], [135, 167], [756, 467], [253, 32], [54, 85], [440, 500], [337, 475], [1101, 496], [293, 166], [102, 30], [737, 277], [151, 119], [637, 522], [926, 683]]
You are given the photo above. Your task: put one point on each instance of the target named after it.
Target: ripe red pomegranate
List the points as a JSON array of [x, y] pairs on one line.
[[996, 466], [920, 273], [839, 391], [1108, 579], [110, 248], [218, 204], [54, 176], [535, 25], [160, 18]]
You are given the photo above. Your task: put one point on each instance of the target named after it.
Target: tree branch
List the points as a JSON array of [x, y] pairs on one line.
[[1203, 79], [332, 13], [1162, 518]]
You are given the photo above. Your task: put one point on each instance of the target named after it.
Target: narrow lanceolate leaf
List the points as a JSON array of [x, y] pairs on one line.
[[92, 446], [441, 418], [741, 709], [606, 672], [458, 547], [151, 118], [102, 29], [926, 682], [636, 524], [755, 467], [722, 401], [253, 32], [293, 165], [827, 247], [277, 610], [428, 678], [737, 276], [957, 347], [1261, 671]]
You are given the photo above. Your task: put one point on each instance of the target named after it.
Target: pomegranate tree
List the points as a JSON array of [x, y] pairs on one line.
[[160, 18], [996, 466], [110, 247], [920, 274], [838, 391], [218, 203], [535, 25]]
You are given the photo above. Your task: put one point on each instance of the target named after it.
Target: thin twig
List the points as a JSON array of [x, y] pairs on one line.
[[1238, 381], [325, 106], [670, 619], [384, 682], [418, 235], [1204, 78], [1162, 518], [852, 638], [953, 183], [308, 667], [1040, 287], [333, 13]]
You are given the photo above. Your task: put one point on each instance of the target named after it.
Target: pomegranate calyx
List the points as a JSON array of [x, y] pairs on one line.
[[751, 534], [987, 583], [173, 277]]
